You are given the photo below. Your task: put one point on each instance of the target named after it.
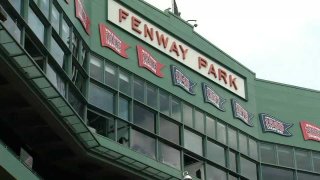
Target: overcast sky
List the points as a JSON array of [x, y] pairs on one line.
[[279, 40]]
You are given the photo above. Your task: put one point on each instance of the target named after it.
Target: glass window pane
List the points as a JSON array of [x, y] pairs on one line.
[[194, 167], [285, 156], [36, 25], [143, 143], [152, 96], [170, 156], [75, 44], [44, 7], [65, 34], [211, 127], [124, 83], [199, 121], [230, 177], [232, 161], [243, 144], [316, 161], [13, 28], [169, 130], [253, 148], [101, 98], [221, 133], [164, 102], [74, 101], [267, 152], [176, 109], [193, 142], [138, 89], [103, 125], [143, 117], [305, 176], [57, 53], [123, 108], [187, 115], [248, 169], [269, 173], [123, 133], [232, 138], [96, 71], [110, 75], [214, 173], [55, 18], [303, 159], [216, 153], [16, 4], [56, 80]]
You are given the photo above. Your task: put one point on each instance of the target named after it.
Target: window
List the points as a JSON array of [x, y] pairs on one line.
[[13, 28], [16, 4], [164, 103], [170, 156], [193, 142], [243, 144], [143, 143], [316, 161], [232, 138], [211, 127], [36, 25], [96, 71], [187, 115], [75, 45], [124, 83], [248, 169], [123, 108], [144, 118], [267, 153], [253, 149], [221, 133], [276, 173], [216, 153], [101, 98], [138, 89], [104, 126], [169, 130], [194, 167], [285, 156], [65, 33], [305, 176], [176, 109], [44, 6], [56, 80], [230, 177], [152, 96], [303, 159], [77, 105], [123, 133], [214, 173], [110, 75], [199, 121], [57, 53], [232, 161], [55, 18]]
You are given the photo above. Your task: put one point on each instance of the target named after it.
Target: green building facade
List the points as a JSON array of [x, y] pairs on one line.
[[117, 89]]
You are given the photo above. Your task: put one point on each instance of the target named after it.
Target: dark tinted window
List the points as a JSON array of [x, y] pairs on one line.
[[143, 117]]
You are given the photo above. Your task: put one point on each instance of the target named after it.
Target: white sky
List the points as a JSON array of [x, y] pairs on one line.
[[279, 40]]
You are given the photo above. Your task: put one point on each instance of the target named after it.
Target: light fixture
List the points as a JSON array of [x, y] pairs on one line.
[[195, 22], [186, 176]]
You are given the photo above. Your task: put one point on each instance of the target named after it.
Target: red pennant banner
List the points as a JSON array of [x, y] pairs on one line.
[[147, 61], [310, 131], [82, 15], [111, 40]]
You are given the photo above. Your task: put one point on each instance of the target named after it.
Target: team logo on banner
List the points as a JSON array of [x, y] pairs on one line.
[[82, 15], [310, 131], [147, 61], [272, 124], [241, 113], [111, 40], [210, 96], [181, 80]]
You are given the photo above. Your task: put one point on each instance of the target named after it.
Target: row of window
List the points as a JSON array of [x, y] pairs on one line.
[[63, 66], [290, 157]]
